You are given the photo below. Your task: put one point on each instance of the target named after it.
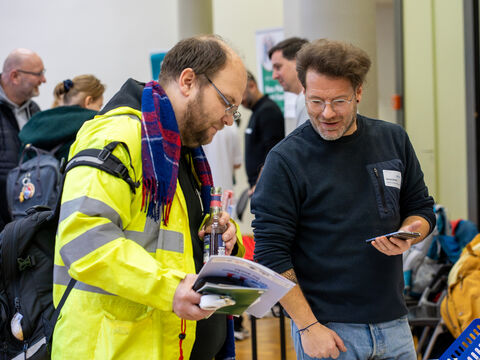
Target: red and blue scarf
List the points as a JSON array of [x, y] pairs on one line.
[[161, 147]]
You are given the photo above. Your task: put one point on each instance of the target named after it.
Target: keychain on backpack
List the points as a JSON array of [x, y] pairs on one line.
[[28, 189], [16, 326]]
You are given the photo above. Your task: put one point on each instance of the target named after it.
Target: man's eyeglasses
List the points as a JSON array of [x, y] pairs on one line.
[[232, 109], [338, 105], [39, 74]]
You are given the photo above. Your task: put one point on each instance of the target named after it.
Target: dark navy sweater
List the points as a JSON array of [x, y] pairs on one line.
[[317, 202]]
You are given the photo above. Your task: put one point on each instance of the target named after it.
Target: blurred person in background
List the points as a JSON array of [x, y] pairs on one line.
[[76, 101], [22, 74]]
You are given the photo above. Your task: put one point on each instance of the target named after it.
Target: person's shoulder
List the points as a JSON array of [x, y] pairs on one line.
[[381, 125], [294, 140], [116, 125]]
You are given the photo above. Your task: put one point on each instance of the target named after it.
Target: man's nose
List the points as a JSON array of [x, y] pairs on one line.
[[328, 112], [275, 75], [43, 79], [227, 120]]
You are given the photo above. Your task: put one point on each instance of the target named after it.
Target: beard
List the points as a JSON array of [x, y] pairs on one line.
[[348, 120], [195, 130]]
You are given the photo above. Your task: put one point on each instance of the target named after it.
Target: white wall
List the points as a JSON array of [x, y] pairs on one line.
[[111, 39]]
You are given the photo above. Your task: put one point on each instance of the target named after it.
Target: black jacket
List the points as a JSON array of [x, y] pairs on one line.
[[9, 150]]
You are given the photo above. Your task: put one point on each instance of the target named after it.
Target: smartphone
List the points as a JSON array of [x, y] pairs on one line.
[[403, 235]]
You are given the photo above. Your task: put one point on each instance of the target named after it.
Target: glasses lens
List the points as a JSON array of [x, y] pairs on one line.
[[317, 105], [237, 115], [339, 104]]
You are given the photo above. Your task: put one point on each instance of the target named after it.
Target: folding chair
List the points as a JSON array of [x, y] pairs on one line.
[[426, 314]]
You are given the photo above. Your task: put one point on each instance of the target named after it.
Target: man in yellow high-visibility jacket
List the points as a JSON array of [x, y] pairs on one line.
[[135, 254]]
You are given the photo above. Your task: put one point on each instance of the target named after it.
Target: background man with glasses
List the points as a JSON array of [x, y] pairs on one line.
[[135, 254], [337, 180], [21, 76]]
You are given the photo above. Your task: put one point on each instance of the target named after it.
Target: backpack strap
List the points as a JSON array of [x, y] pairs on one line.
[[103, 159], [54, 318]]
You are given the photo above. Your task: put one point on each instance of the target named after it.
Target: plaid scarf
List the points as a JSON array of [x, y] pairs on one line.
[[161, 147]]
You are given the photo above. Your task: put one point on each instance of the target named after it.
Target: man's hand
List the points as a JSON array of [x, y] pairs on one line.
[[229, 237], [186, 300], [394, 246], [318, 341]]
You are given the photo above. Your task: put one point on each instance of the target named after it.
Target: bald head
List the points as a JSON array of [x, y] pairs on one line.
[[19, 57], [22, 74]]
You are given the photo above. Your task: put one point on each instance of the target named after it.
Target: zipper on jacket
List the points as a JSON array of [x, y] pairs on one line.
[[382, 192]]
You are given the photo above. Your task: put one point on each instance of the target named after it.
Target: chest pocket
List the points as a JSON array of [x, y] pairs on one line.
[[386, 178]]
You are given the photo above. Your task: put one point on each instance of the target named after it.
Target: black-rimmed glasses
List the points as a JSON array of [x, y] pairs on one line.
[[39, 74], [232, 109]]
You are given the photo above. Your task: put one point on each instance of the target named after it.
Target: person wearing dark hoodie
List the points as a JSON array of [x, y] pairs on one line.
[[22, 74], [76, 101]]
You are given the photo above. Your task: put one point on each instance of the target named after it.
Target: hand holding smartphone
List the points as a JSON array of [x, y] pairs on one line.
[[402, 235]]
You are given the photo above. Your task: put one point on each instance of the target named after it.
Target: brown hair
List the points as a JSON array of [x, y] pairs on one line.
[[68, 91], [205, 54], [289, 47], [335, 59]]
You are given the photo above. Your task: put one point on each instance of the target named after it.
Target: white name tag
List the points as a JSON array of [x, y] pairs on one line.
[[392, 178]]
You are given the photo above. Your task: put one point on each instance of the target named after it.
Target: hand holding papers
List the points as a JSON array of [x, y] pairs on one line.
[[254, 287]]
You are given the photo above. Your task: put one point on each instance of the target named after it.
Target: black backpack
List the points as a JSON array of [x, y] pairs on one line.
[[35, 181], [26, 268]]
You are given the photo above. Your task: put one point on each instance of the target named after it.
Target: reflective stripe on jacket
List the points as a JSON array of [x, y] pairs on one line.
[[127, 266]]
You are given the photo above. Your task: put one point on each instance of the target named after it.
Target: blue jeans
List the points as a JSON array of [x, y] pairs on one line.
[[388, 340]]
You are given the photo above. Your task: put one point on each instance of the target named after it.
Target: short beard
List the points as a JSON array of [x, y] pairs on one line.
[[193, 118], [353, 119]]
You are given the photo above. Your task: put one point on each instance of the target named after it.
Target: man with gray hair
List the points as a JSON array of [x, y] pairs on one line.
[[22, 74], [333, 183]]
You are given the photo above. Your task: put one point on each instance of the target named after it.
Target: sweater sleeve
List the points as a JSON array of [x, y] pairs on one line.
[[275, 204], [414, 198]]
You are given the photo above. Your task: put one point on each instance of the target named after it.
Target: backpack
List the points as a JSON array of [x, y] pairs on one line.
[[33, 182], [462, 303], [26, 268], [423, 260]]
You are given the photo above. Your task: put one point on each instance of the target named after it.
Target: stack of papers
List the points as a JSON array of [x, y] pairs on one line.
[[254, 287]]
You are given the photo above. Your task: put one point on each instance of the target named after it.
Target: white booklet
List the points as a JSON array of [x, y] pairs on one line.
[[250, 274]]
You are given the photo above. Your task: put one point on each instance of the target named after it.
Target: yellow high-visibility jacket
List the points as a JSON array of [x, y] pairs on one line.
[[127, 266]]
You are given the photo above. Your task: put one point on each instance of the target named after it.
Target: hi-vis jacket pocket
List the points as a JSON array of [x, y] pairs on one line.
[[121, 339], [386, 178]]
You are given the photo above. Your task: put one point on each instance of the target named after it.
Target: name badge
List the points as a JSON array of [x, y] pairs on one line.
[[392, 178]]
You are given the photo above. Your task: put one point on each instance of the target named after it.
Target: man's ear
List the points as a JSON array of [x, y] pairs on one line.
[[186, 81], [358, 93], [14, 76]]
